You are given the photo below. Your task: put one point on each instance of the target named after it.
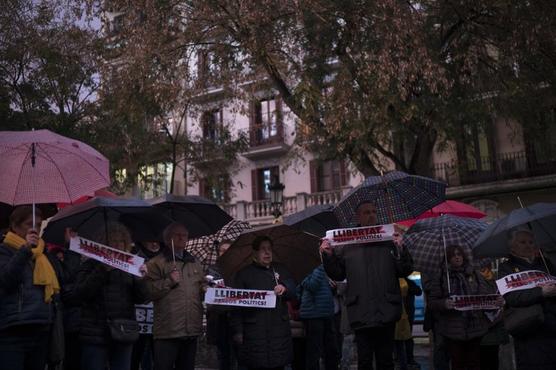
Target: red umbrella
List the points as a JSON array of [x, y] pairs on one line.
[[449, 207], [99, 193]]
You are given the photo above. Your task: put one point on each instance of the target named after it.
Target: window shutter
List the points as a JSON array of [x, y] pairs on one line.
[[255, 184], [203, 188], [344, 175], [313, 166]]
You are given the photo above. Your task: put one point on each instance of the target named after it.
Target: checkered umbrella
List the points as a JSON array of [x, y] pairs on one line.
[[427, 239], [205, 248], [397, 196]]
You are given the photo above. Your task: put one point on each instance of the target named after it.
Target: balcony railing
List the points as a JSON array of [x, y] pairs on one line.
[[260, 211], [503, 166], [264, 134]]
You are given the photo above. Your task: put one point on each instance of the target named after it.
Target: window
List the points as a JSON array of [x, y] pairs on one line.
[[543, 145], [260, 180], [266, 121], [209, 66], [216, 189], [212, 125], [476, 152], [328, 176], [117, 24]]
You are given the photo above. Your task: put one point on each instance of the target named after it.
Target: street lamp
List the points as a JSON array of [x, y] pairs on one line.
[[276, 189]]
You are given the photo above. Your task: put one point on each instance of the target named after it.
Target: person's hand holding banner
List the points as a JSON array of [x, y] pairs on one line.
[[325, 247], [449, 303], [549, 290], [279, 289]]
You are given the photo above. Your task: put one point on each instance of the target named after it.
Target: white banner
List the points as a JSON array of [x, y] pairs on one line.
[[524, 280], [241, 297], [144, 314], [476, 302], [109, 256], [358, 235]]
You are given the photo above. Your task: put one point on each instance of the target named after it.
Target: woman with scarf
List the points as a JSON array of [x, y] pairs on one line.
[[462, 330], [28, 283]]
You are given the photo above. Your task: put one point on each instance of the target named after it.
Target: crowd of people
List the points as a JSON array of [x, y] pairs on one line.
[[359, 294]]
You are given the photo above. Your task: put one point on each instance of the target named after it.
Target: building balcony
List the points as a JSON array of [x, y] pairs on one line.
[[509, 168], [265, 142], [260, 212]]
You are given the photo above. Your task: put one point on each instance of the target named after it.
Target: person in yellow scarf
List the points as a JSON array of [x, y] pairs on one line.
[[28, 283]]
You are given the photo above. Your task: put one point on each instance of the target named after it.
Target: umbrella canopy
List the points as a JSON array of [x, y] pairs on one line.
[[200, 215], [427, 239], [44, 167], [297, 250], [314, 220], [98, 193], [540, 218], [396, 195], [449, 207], [145, 222], [205, 248]]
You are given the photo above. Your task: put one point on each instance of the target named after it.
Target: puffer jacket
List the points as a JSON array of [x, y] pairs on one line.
[[537, 348], [317, 300], [372, 296], [105, 295], [21, 302], [453, 324], [178, 309], [267, 341]]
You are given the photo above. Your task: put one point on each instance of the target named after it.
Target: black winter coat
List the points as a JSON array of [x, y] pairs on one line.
[[373, 296], [71, 304], [105, 295], [453, 324], [266, 332], [21, 302], [536, 349]]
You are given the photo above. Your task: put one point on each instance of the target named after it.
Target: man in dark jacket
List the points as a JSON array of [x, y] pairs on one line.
[[264, 334], [317, 313], [536, 348], [373, 301]]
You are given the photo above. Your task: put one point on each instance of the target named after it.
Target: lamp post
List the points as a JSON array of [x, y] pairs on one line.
[[276, 189]]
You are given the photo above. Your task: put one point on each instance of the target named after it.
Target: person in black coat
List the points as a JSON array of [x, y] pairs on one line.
[[263, 334], [28, 286], [373, 298], [536, 348], [106, 294]]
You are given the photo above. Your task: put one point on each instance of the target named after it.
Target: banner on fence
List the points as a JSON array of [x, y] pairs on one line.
[[144, 315], [476, 302], [524, 280], [358, 235], [109, 256], [241, 297]]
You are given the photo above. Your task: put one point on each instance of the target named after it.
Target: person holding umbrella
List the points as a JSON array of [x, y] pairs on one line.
[[108, 297], [535, 347], [176, 284], [263, 334], [373, 299], [463, 330], [28, 284]]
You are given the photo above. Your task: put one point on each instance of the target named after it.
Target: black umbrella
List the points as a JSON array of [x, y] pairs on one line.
[[539, 218], [200, 215], [89, 218], [297, 250], [315, 220]]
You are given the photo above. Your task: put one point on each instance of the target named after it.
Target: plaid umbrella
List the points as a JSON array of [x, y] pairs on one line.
[[205, 248], [397, 196], [427, 239], [315, 220], [297, 250], [540, 218]]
